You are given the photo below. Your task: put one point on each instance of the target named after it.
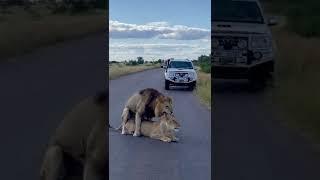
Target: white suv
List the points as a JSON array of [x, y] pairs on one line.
[[179, 72], [242, 43]]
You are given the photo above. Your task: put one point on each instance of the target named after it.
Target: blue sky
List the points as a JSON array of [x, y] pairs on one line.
[[159, 29]]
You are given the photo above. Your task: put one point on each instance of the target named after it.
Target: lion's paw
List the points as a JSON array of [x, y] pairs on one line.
[[136, 134], [166, 139]]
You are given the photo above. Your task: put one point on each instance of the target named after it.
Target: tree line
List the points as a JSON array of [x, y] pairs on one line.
[[203, 61], [57, 6], [138, 61]]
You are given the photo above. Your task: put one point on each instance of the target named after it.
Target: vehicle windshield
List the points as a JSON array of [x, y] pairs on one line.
[[180, 64], [237, 11]]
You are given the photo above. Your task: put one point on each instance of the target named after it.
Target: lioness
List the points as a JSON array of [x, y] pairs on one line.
[[148, 103], [163, 130], [82, 136]]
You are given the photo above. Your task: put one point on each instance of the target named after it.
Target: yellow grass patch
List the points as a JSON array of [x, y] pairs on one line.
[[297, 82], [203, 90], [23, 31], [117, 70]]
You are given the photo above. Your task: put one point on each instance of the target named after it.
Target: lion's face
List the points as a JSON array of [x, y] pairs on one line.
[[170, 121], [164, 105]]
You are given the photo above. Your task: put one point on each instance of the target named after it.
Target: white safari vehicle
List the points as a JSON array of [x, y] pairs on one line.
[[242, 44], [179, 72]]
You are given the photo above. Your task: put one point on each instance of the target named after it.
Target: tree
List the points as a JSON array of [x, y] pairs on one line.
[[140, 60], [205, 63]]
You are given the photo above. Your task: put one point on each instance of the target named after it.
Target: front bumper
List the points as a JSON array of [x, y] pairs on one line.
[[173, 83], [234, 72]]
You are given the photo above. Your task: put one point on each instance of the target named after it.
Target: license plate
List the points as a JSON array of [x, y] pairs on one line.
[[227, 60], [181, 80]]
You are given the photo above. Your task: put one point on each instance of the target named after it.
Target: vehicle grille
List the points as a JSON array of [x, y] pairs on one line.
[[230, 42], [181, 74], [226, 50]]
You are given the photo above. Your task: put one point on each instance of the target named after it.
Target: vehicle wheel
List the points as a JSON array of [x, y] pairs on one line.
[[191, 88], [257, 82], [167, 87]]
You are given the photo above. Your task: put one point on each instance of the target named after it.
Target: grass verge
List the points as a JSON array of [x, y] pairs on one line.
[[297, 87], [203, 90], [120, 69], [23, 31]]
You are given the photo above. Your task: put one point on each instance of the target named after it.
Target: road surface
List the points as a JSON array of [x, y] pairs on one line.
[[139, 158], [250, 142], [35, 95]]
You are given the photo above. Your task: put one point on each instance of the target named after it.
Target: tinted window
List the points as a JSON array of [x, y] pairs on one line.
[[237, 11], [180, 64]]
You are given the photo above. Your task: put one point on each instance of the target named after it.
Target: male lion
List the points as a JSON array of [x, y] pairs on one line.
[[146, 103], [163, 130], [82, 136]]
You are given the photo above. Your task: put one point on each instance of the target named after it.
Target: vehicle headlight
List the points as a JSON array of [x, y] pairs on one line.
[[242, 44], [171, 74], [192, 75], [260, 42], [257, 55]]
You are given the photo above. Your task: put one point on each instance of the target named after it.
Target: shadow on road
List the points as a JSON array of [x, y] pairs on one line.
[[180, 89]]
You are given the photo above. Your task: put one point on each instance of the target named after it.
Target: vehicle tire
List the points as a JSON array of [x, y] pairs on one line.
[[167, 87], [257, 82], [191, 87]]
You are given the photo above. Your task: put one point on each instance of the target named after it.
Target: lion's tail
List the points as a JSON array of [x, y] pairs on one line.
[[116, 129]]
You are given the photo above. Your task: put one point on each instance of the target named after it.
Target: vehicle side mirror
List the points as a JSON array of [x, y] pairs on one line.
[[272, 21], [195, 68]]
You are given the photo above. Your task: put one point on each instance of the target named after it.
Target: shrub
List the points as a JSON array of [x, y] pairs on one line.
[[303, 16], [205, 63], [140, 60]]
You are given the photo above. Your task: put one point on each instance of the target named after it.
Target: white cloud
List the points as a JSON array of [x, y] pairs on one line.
[[160, 30], [151, 51]]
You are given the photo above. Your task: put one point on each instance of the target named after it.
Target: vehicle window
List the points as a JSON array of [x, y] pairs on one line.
[[237, 11], [180, 64]]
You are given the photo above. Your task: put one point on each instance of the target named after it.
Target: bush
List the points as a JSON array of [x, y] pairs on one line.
[[304, 21], [75, 6], [205, 63], [140, 60], [205, 67], [303, 16], [100, 4], [132, 63]]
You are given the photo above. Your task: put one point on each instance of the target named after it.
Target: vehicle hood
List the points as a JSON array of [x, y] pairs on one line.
[[241, 28]]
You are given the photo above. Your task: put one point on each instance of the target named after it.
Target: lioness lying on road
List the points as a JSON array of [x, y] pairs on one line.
[[81, 136], [147, 103], [163, 129]]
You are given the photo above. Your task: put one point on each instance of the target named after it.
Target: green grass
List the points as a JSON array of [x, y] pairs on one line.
[[23, 31], [120, 69]]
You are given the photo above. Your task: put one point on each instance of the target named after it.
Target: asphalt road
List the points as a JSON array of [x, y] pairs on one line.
[[140, 158], [251, 143], [35, 94]]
